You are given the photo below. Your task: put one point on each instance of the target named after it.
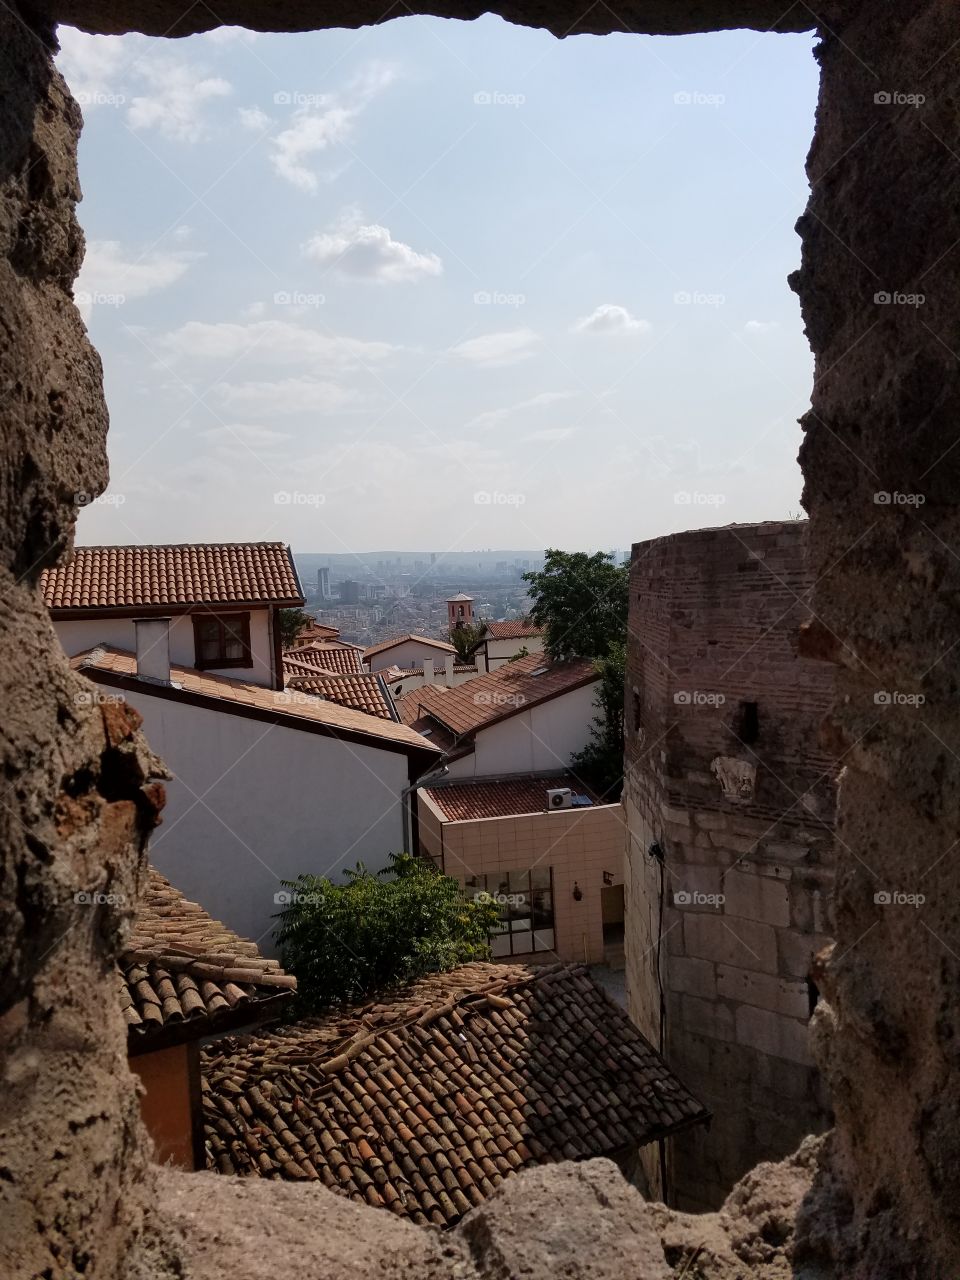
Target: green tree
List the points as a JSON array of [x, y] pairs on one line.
[[580, 603], [292, 622], [464, 638], [347, 941], [600, 763]]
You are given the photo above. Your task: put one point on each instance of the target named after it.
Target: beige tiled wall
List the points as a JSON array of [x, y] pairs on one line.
[[578, 844]]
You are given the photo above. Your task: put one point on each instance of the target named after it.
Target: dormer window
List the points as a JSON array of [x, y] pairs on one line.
[[222, 640]]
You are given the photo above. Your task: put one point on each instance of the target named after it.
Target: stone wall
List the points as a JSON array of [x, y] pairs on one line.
[[715, 685], [883, 218]]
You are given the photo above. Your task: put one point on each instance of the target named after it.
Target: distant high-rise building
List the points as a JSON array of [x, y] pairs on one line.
[[350, 592], [323, 583]]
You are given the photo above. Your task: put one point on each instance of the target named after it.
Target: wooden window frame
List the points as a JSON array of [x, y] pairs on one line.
[[246, 661]]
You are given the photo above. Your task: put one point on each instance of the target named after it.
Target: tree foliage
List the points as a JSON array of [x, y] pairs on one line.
[[580, 603], [600, 763], [292, 622], [464, 638], [346, 941]]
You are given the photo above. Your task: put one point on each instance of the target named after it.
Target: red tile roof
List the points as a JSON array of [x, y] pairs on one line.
[[425, 1103], [316, 631], [324, 655], [139, 577], [364, 691], [374, 649], [518, 629], [467, 801], [512, 688], [291, 707], [186, 973]]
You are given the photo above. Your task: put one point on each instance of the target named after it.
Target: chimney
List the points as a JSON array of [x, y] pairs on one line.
[[481, 660], [153, 649], [428, 671], [448, 668]]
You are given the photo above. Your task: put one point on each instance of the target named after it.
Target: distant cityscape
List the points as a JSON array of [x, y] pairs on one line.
[[379, 594]]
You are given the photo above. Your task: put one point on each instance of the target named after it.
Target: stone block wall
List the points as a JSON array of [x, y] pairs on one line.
[[725, 775]]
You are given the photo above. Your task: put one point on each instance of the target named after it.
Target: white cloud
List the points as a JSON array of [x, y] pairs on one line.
[[288, 395], [311, 131], [175, 104], [94, 66], [230, 35], [491, 417], [109, 272], [238, 433], [316, 127], [274, 341], [370, 253], [498, 348], [760, 326], [254, 119], [611, 319]]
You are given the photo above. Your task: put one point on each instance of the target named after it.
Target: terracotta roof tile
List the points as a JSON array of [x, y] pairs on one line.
[[374, 649], [364, 691], [467, 801], [423, 1104], [518, 629], [316, 631], [324, 655], [297, 708], [513, 687], [183, 967], [170, 576]]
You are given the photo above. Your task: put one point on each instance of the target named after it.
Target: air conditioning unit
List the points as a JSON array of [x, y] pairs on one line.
[[560, 798]]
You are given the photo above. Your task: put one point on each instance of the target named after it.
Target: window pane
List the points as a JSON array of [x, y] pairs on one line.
[[500, 944], [540, 877], [522, 943], [519, 881], [543, 940]]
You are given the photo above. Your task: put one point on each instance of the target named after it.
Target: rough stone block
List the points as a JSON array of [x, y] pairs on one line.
[[765, 990], [742, 943], [797, 950], [708, 1018], [773, 1034], [756, 897], [691, 976]]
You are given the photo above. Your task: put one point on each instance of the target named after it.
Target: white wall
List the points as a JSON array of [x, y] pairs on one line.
[[253, 804], [409, 654], [501, 651], [542, 738], [78, 636]]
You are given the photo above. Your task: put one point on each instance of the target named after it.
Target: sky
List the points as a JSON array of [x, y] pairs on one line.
[[443, 285]]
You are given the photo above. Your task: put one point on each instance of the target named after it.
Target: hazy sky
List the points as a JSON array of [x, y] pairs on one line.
[[438, 284]]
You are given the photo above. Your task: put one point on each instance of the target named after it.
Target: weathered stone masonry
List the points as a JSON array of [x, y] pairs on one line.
[[715, 684]]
